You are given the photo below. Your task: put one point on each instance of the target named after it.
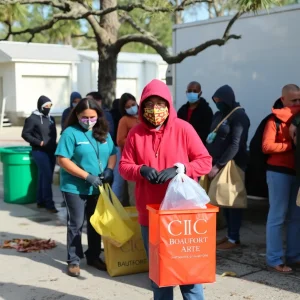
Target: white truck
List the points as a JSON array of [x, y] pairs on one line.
[[257, 66]]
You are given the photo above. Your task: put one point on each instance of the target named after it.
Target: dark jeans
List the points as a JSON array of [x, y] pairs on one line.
[[78, 207], [189, 292], [45, 163], [234, 222]]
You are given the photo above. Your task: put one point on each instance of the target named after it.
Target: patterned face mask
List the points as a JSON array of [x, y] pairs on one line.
[[156, 115]]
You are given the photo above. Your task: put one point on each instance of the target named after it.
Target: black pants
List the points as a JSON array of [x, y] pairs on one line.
[[79, 207], [45, 163]]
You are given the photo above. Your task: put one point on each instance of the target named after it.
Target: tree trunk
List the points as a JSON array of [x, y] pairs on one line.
[[107, 75], [107, 72]]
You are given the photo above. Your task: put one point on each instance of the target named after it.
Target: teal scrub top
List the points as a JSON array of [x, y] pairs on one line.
[[87, 153]]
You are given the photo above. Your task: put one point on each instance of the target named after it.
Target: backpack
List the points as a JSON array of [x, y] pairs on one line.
[[255, 177]]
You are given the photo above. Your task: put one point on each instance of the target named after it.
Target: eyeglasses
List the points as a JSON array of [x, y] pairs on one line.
[[151, 104]]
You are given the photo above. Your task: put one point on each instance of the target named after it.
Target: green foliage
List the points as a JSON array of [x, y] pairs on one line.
[[159, 24], [255, 5]]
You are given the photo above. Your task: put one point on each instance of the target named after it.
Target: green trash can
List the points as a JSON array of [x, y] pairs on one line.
[[20, 175]]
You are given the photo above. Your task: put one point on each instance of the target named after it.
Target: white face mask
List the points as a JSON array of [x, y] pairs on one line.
[[87, 124]]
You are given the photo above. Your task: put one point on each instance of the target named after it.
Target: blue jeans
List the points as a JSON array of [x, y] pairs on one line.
[[233, 218], [189, 292], [118, 184], [283, 189], [45, 163]]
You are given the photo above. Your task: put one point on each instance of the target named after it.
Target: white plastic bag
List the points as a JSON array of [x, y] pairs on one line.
[[184, 193]]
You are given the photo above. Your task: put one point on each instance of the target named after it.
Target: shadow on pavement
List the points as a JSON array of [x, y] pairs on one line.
[[56, 258], [12, 291], [249, 261]]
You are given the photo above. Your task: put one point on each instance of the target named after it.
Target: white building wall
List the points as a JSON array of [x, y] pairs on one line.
[[50, 74], [132, 76], [7, 73], [85, 77], [257, 66]]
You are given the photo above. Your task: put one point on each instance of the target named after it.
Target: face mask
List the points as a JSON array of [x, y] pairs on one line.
[[132, 111], [156, 115], [192, 97], [74, 104], [46, 111], [87, 123], [222, 107]]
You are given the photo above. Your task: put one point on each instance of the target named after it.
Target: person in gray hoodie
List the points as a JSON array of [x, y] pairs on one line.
[[40, 132], [229, 143]]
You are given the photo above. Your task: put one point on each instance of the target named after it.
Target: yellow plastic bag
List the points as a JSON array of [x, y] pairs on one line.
[[111, 220], [131, 258]]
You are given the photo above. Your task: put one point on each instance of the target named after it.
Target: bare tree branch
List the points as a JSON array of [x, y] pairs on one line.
[[56, 18], [231, 22], [127, 18], [8, 30], [150, 40], [99, 32], [84, 35], [146, 8], [56, 4]]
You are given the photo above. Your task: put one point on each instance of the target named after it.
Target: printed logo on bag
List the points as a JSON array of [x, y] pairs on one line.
[[190, 234], [187, 227], [133, 246]]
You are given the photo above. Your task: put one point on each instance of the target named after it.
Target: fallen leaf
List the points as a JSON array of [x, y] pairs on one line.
[[229, 274]]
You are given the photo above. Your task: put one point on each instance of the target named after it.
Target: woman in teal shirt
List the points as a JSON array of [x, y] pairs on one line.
[[87, 156]]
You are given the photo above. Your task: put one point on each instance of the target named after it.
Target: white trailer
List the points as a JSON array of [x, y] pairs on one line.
[[134, 71], [257, 66]]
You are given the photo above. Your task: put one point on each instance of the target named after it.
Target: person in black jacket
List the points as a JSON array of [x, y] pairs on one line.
[[229, 143], [40, 132], [196, 111], [116, 116]]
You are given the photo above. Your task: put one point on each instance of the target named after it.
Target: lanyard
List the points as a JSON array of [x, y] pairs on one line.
[[97, 151]]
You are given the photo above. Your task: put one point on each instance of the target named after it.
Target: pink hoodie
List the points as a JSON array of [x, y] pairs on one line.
[[175, 142]]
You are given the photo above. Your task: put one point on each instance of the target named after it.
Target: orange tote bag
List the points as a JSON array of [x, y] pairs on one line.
[[182, 246]]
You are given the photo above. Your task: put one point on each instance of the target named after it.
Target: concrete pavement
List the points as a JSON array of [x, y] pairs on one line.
[[41, 276]]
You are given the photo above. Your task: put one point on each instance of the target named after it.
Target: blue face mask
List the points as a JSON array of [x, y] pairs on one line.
[[192, 97], [132, 111]]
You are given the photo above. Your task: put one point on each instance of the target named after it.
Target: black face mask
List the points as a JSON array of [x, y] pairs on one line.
[[46, 111]]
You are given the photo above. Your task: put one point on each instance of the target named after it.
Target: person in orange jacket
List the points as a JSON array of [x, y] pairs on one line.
[[130, 118], [282, 184]]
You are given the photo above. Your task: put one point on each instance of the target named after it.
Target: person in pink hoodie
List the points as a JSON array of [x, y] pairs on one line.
[[151, 150]]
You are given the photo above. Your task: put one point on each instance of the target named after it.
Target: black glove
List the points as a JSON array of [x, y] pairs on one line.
[[165, 175], [107, 176], [95, 181], [149, 173]]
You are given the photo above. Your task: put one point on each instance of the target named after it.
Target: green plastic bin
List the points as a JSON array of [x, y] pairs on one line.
[[20, 175]]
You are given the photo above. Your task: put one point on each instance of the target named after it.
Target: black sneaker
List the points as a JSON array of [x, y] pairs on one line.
[[97, 263], [52, 210]]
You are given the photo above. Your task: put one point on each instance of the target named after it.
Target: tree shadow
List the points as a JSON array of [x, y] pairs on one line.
[[56, 258], [12, 291], [249, 261]]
